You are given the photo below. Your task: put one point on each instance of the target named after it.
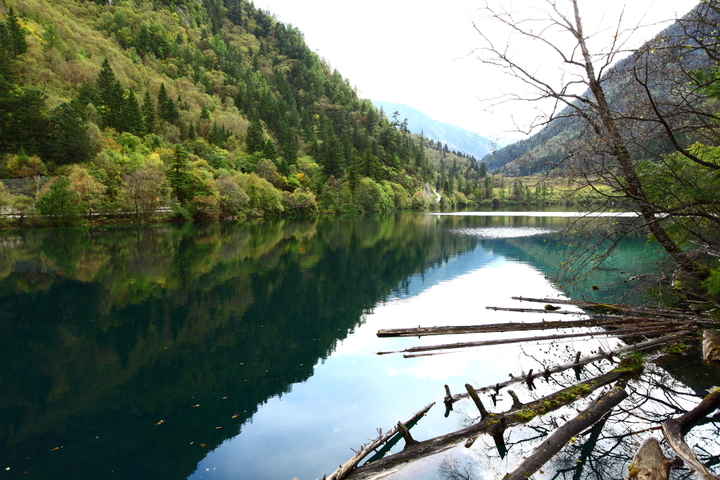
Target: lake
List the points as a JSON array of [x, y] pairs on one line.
[[248, 350]]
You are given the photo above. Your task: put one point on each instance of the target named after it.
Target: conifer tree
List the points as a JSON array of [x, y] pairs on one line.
[[166, 108], [110, 97], [132, 115], [68, 141], [254, 138], [149, 114], [269, 151], [15, 36]]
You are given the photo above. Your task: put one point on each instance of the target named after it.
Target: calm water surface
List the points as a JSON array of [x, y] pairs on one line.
[[248, 351]]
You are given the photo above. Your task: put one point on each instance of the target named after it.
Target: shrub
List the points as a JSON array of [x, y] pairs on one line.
[[62, 204]]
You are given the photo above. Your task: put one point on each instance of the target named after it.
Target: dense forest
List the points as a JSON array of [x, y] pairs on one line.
[[200, 109]]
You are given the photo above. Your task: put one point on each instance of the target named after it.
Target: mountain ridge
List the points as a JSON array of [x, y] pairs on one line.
[[456, 138]]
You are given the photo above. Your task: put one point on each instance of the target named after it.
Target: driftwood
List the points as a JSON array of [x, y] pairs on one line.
[[649, 463], [518, 326], [559, 368], [616, 308], [675, 429], [515, 416], [621, 332], [366, 450], [555, 441]]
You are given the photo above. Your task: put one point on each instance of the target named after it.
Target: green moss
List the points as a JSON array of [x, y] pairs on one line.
[[525, 415], [632, 362], [675, 349]]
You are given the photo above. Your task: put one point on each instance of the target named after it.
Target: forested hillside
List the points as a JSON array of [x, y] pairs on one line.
[[663, 65], [210, 108]]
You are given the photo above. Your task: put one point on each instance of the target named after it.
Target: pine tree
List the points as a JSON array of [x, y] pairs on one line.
[[149, 114], [167, 109], [269, 151], [111, 97], [254, 138], [133, 121], [68, 141], [16, 35]]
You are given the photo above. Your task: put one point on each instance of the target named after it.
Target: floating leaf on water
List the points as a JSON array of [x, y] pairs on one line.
[[53, 449], [218, 428], [235, 416], [196, 405], [160, 422], [202, 445]]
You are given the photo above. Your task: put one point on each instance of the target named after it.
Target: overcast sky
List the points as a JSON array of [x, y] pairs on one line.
[[420, 53]]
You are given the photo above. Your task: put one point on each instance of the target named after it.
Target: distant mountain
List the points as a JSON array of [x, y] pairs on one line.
[[456, 138], [567, 134]]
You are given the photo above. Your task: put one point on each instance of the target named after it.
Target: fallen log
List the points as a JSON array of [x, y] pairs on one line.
[[619, 333], [535, 310], [513, 327], [617, 308], [366, 450], [649, 463], [676, 428], [515, 416], [555, 441], [582, 361]]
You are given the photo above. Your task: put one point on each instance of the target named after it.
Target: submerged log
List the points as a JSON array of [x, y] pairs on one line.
[[366, 450], [675, 429], [649, 463], [555, 441], [489, 425]]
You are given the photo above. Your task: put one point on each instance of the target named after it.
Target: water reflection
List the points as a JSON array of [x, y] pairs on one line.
[[172, 351]]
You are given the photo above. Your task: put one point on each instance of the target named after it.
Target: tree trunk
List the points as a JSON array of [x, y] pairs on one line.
[[609, 132], [675, 429], [554, 443], [400, 460]]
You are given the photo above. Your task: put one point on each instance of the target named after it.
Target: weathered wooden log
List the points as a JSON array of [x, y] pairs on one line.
[[346, 467], [535, 310], [442, 443], [478, 403], [711, 346], [619, 333], [515, 327], [556, 440], [583, 361], [619, 308], [675, 429], [405, 432], [649, 463]]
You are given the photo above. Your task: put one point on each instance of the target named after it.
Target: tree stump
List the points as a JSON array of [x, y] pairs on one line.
[[711, 346], [649, 463]]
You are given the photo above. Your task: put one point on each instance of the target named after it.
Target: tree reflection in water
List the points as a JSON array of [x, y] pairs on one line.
[[604, 451]]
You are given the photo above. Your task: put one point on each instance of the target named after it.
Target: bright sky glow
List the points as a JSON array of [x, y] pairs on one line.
[[421, 53]]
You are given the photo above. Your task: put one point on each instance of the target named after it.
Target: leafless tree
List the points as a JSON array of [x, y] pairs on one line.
[[584, 84]]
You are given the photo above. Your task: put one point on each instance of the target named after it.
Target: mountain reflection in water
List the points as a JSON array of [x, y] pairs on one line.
[[166, 352]]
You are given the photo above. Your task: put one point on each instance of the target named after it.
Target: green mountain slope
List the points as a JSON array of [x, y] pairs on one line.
[[210, 107]]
